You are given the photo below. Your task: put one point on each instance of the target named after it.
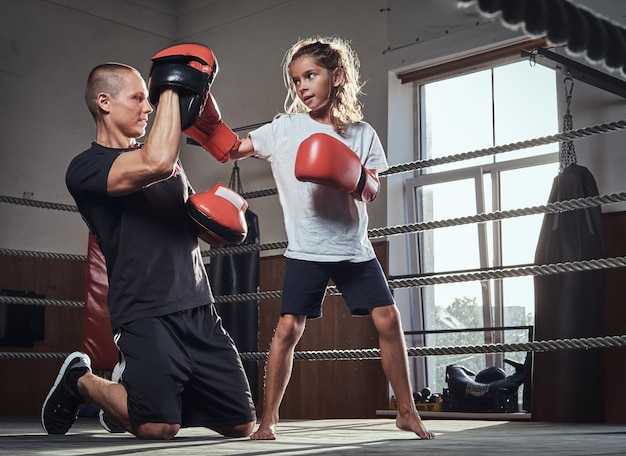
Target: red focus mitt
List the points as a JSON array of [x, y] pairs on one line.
[[322, 159], [219, 214]]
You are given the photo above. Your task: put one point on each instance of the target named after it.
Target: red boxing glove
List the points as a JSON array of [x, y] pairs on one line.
[[219, 215], [212, 133], [322, 159]]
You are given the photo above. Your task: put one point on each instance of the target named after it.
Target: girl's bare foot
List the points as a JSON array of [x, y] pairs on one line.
[[413, 423], [264, 432]]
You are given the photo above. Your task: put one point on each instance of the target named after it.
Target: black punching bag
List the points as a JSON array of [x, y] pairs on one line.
[[568, 385], [235, 274]]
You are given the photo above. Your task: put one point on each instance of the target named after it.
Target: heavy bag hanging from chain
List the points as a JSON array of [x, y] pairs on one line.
[[569, 305], [234, 274]]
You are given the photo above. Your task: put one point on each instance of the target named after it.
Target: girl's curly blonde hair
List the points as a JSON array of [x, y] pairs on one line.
[[330, 53]]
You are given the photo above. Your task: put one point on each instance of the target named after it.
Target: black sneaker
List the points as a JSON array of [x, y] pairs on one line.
[[105, 421], [60, 409], [109, 425]]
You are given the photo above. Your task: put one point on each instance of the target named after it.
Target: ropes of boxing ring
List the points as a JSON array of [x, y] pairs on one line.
[[422, 280], [559, 344], [374, 353], [571, 135], [558, 206], [419, 164], [405, 282]]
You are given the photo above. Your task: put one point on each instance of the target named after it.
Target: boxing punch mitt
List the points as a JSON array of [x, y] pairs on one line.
[[323, 159], [219, 214], [188, 68]]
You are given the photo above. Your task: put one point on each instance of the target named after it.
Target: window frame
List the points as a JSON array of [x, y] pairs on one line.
[[482, 61]]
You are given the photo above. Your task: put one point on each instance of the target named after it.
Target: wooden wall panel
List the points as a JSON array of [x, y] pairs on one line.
[[615, 358], [318, 389], [29, 380]]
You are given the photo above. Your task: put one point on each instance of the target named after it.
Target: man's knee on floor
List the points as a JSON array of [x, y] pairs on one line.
[[239, 430], [156, 431]]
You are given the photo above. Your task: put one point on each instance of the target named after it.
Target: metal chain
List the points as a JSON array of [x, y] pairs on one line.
[[235, 179], [567, 152]]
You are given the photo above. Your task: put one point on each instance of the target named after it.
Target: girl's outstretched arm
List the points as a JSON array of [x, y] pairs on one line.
[[246, 149]]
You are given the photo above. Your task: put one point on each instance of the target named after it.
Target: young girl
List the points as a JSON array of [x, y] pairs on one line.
[[324, 182]]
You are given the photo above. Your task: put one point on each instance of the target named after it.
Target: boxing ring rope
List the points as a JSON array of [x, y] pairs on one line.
[[572, 135], [543, 140], [565, 136], [559, 206], [405, 282], [35, 203], [374, 353], [45, 255], [419, 164], [25, 301]]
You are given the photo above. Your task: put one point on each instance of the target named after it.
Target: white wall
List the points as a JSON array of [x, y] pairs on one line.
[[47, 48]]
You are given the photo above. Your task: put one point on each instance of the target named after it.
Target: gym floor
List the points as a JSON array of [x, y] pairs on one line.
[[25, 437]]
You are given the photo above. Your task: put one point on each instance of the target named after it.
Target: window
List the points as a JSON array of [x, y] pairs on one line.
[[490, 107]]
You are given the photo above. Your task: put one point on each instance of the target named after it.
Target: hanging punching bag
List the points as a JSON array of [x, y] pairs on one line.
[[234, 274], [97, 333], [568, 385]]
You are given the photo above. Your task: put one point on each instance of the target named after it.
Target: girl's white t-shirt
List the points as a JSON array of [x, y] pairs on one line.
[[322, 223]]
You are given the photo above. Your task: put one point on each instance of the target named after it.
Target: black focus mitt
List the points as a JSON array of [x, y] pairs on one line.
[[188, 68]]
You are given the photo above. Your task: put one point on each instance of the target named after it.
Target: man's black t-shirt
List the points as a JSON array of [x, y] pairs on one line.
[[153, 260]]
